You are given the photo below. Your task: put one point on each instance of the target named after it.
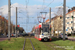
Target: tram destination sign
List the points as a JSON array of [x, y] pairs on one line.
[[45, 25]]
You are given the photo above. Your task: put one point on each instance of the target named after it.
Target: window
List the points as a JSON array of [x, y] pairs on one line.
[[40, 30], [67, 17], [71, 21], [67, 27], [71, 27], [67, 22]]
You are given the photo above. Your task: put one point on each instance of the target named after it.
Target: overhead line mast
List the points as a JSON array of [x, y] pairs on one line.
[[64, 12], [9, 18]]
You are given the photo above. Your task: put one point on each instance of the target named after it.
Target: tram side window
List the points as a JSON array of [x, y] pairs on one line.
[[35, 30], [40, 30]]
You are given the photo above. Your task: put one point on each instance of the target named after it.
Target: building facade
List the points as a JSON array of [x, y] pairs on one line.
[[70, 21], [56, 25]]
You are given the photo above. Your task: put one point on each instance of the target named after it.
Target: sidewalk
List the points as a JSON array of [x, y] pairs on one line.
[[2, 38], [71, 38]]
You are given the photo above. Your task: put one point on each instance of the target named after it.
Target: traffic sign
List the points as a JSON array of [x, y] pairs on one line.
[[66, 29]]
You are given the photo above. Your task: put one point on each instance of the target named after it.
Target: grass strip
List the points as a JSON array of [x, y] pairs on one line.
[[39, 45], [13, 44], [28, 45], [67, 44]]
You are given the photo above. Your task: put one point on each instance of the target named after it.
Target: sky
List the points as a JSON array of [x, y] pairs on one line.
[[28, 10]]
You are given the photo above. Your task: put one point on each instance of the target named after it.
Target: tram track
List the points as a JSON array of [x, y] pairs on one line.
[[26, 42], [51, 45], [32, 44]]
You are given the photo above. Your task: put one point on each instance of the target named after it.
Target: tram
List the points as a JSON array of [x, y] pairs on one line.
[[42, 32]]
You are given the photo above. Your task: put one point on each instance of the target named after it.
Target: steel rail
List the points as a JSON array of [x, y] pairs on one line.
[[32, 44], [24, 44]]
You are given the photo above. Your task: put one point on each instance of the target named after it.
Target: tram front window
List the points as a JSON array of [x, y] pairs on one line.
[[45, 30]]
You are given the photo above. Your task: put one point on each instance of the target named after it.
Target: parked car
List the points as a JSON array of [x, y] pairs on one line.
[[61, 36], [23, 34], [12, 35], [32, 34], [20, 34]]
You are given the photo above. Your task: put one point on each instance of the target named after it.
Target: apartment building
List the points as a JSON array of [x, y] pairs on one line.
[[56, 25], [70, 21]]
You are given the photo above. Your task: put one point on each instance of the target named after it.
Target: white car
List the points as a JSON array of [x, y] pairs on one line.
[[12, 35], [61, 36]]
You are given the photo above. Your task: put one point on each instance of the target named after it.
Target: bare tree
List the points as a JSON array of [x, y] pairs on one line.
[[59, 12]]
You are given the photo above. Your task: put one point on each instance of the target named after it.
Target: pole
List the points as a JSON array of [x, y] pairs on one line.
[[64, 12], [16, 23], [53, 27], [50, 20], [57, 29], [73, 24], [43, 20], [12, 27], [5, 27], [0, 25], [9, 15]]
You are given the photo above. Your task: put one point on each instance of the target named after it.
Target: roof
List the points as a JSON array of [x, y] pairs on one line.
[[53, 18], [70, 11], [47, 20]]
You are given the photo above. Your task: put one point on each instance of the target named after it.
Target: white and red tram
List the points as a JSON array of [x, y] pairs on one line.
[[42, 32]]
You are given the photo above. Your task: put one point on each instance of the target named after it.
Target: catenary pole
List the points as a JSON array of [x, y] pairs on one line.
[[72, 24], [16, 23], [5, 27], [9, 16], [64, 12], [50, 21]]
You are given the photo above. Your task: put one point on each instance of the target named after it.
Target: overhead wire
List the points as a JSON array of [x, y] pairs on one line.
[[41, 11], [43, 5], [27, 1], [49, 4]]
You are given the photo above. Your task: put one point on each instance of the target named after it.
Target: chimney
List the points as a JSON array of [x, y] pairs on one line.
[[69, 10], [73, 8]]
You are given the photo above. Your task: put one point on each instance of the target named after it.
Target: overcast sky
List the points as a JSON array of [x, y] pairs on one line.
[[27, 17]]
